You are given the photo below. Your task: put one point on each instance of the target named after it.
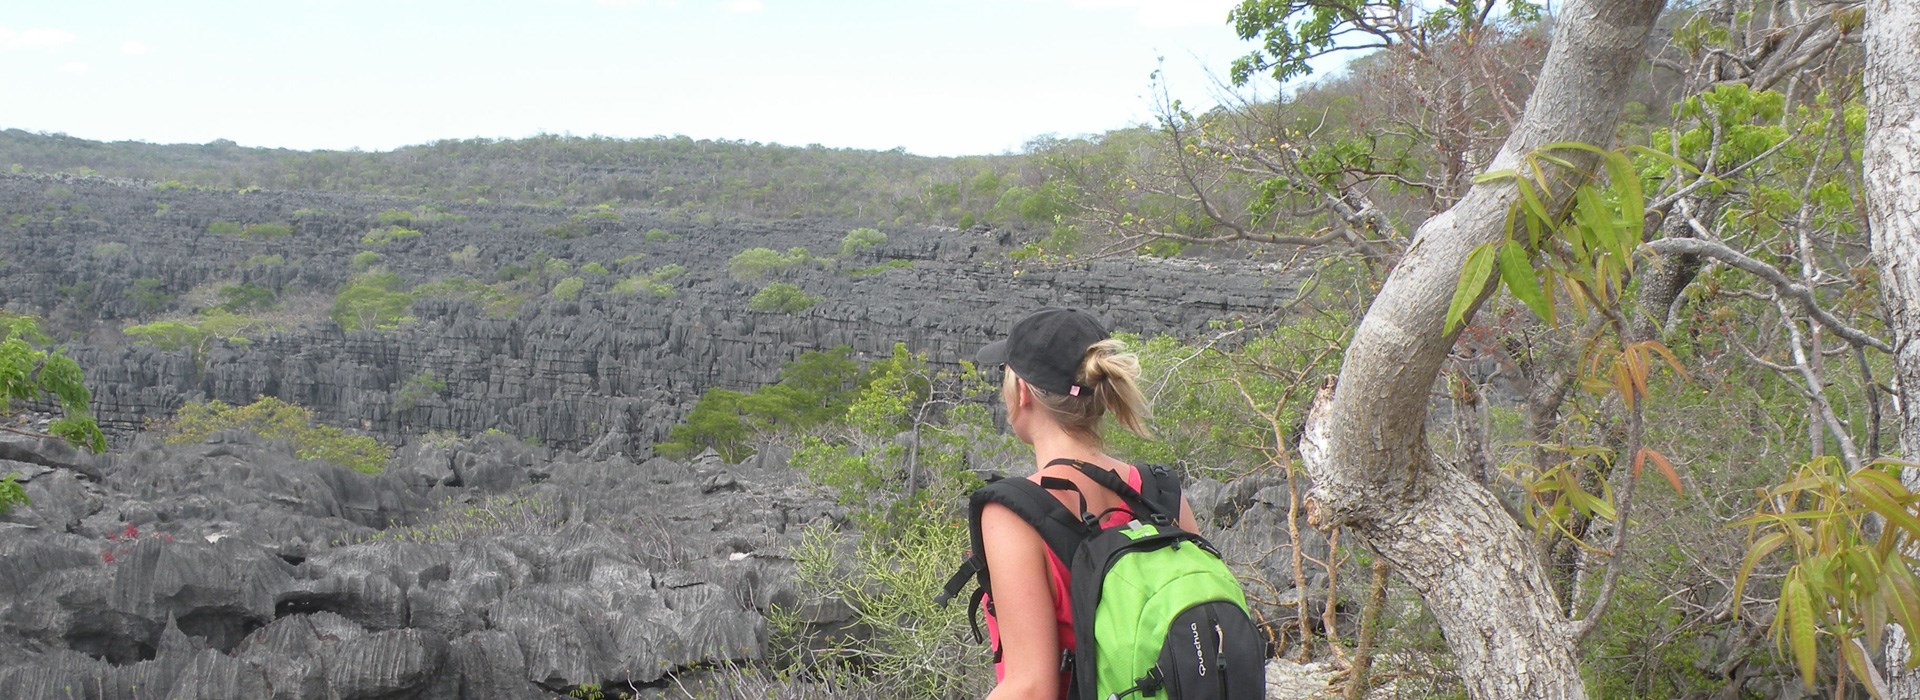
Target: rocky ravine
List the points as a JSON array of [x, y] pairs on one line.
[[480, 569]]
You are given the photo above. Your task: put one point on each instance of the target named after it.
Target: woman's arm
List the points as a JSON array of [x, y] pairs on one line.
[[1023, 607]]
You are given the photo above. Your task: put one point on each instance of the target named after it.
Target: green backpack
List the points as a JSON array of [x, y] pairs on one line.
[[1155, 611]]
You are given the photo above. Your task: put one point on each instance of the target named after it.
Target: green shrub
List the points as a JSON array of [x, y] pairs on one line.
[[499, 299], [758, 263], [149, 294], [626, 260], [225, 228], [305, 212], [594, 268], [264, 261], [782, 298], [274, 419], [565, 232], [28, 373], [245, 296], [113, 249], [555, 267], [394, 216], [383, 236], [11, 494], [655, 235], [372, 301], [365, 260], [417, 388], [860, 240], [814, 388], [568, 289]]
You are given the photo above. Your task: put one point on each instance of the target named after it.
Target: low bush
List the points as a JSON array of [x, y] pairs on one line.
[[11, 494], [373, 301], [274, 419], [568, 289], [389, 234], [782, 298]]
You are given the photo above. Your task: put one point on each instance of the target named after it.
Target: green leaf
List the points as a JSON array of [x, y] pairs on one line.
[[1517, 273], [1760, 549], [1473, 280], [1796, 609]]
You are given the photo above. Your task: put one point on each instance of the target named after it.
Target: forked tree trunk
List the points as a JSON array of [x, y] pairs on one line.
[[1892, 173], [1365, 445]]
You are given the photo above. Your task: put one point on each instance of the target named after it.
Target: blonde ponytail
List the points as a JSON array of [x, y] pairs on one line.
[[1111, 374]]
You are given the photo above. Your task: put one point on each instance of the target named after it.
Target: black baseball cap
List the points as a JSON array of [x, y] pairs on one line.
[[1046, 348]]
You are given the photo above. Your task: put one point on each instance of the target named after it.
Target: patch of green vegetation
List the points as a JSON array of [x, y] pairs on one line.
[[602, 212], [568, 289], [626, 260], [498, 299], [389, 234], [264, 261], [655, 282], [274, 419], [246, 296], [882, 267], [373, 301], [782, 298], [814, 388], [109, 250], [11, 494], [861, 240], [594, 268], [149, 294], [28, 373], [266, 231], [223, 227], [759, 263], [655, 235], [525, 515], [305, 212], [417, 388]]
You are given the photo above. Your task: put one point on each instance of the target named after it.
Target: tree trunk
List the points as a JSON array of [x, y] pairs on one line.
[[1365, 443], [1891, 165]]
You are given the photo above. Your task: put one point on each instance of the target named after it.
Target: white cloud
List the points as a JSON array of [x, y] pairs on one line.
[[663, 4], [134, 48], [1166, 14], [75, 68], [745, 7], [30, 39]]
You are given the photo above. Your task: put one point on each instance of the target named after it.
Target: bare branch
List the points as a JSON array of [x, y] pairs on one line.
[[1779, 280]]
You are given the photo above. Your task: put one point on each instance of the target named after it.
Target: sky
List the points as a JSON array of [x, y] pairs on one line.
[[935, 77]]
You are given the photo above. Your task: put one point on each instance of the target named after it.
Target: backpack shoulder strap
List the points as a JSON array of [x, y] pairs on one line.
[[1060, 529], [1157, 500], [1160, 486]]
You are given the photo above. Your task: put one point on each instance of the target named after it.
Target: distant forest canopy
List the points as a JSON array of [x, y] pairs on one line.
[[678, 174]]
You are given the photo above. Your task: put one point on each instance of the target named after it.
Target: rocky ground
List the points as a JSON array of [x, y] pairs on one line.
[[482, 568]]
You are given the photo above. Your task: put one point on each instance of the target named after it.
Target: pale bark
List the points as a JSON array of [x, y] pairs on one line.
[[1365, 444], [1891, 165]]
